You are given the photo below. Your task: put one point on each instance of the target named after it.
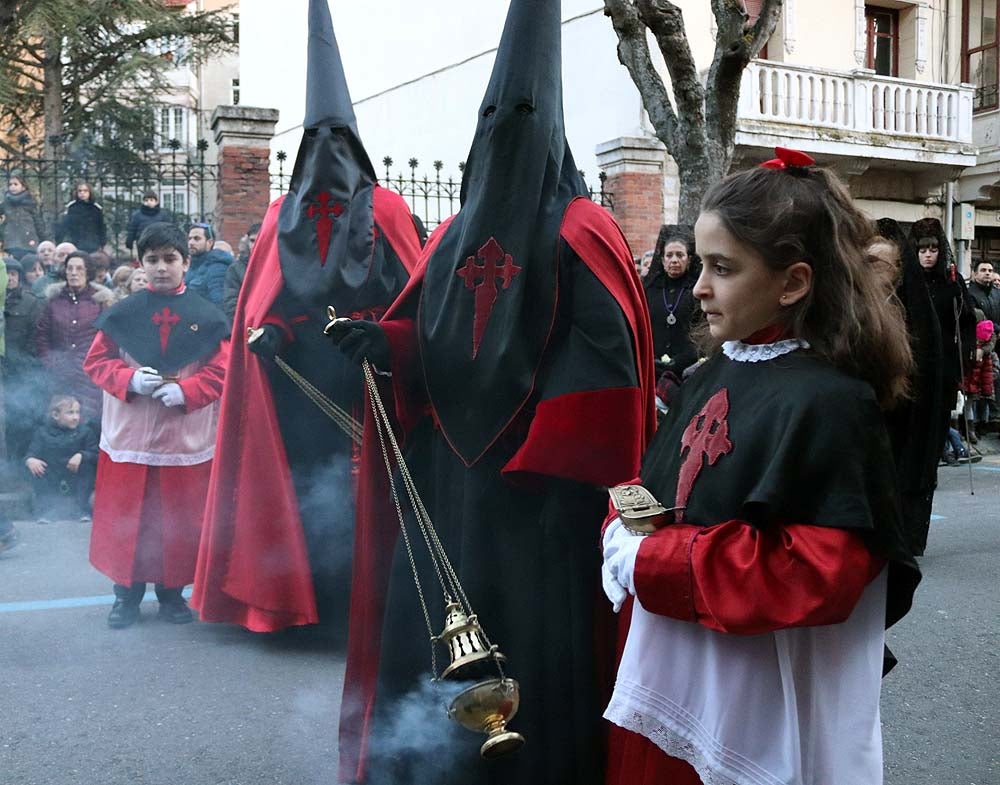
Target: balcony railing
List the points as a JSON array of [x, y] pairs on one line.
[[856, 101]]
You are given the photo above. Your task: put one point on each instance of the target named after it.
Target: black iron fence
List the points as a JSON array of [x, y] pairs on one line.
[[183, 181], [432, 198], [186, 185]]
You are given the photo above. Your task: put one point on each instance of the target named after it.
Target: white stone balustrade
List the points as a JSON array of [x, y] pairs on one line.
[[856, 101]]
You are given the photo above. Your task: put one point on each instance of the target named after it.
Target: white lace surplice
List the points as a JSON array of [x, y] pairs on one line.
[[793, 707]]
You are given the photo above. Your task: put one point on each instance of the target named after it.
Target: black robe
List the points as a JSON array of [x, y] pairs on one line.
[[916, 445], [521, 526], [666, 295]]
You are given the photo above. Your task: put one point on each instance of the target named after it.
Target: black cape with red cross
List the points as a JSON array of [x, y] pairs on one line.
[[489, 294], [326, 233], [165, 331], [787, 441]]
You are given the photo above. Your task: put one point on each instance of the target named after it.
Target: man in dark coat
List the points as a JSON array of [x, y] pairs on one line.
[[207, 275], [522, 378], [984, 294], [148, 213], [276, 550]]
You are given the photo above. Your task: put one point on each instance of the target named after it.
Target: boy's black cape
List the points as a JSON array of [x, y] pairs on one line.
[[165, 331]]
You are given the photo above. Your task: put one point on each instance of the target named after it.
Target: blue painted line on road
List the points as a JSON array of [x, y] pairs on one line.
[[937, 517], [70, 602]]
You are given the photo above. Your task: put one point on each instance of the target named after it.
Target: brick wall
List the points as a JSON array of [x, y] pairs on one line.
[[243, 190], [638, 207]]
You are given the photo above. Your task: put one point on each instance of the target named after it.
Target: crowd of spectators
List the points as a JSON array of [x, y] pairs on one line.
[[53, 287]]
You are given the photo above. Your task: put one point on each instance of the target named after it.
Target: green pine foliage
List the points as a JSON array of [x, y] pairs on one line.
[[91, 71]]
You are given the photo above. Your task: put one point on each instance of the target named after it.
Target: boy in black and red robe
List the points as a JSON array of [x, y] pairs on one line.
[[160, 358]]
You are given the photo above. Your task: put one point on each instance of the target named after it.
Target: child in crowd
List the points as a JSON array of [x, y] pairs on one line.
[[160, 357], [61, 459], [755, 651]]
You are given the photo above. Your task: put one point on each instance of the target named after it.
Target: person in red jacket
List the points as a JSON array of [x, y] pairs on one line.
[[160, 358], [755, 648]]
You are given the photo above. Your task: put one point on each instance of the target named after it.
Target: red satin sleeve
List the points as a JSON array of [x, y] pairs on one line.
[[407, 381], [735, 578], [205, 385], [106, 368]]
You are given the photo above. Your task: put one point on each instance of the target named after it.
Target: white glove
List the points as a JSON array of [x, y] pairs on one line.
[[145, 380], [620, 549], [170, 395]]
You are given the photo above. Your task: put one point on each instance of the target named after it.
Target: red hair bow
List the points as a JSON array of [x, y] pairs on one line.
[[787, 158]]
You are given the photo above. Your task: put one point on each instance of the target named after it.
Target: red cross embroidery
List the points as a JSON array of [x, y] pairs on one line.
[[483, 278], [321, 210], [165, 320], [706, 435]]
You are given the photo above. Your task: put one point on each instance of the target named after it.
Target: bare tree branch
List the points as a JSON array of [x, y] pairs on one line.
[[699, 126], [666, 22], [633, 53]]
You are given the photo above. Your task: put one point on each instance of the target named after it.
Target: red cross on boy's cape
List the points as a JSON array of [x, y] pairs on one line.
[[165, 331]]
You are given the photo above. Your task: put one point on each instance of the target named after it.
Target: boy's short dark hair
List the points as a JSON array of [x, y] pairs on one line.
[[151, 195], [162, 235], [206, 228], [56, 402]]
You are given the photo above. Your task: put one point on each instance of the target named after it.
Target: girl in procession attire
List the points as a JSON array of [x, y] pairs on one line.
[[755, 650]]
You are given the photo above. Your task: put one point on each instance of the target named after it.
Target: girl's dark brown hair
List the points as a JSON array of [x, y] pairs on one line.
[[805, 214]]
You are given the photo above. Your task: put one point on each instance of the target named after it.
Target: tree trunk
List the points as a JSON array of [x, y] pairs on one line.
[[50, 187], [52, 106]]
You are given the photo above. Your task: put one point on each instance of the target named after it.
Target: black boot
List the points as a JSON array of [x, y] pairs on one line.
[[173, 607], [125, 611]]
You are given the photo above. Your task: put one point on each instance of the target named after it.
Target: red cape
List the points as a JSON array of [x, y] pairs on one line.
[[593, 234], [253, 567]]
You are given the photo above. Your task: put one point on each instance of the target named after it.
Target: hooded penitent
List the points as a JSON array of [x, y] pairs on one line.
[[269, 554], [519, 178], [326, 225]]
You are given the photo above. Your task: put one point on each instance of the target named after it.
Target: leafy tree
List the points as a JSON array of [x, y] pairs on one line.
[[698, 126], [90, 70]]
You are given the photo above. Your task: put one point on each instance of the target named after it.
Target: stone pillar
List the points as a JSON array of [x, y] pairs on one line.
[[243, 135], [635, 167]]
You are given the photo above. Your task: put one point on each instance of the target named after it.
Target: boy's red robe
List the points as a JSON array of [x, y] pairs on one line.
[[623, 420], [147, 519], [253, 567]]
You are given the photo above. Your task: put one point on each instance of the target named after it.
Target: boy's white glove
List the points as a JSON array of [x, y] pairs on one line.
[[170, 395], [620, 549], [144, 381]]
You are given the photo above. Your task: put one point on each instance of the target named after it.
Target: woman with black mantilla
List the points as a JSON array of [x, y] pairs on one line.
[[672, 306]]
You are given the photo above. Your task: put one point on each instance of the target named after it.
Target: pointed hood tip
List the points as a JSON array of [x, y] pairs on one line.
[[328, 100]]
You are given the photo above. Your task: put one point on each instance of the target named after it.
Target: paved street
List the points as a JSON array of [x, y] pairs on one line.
[[210, 705]]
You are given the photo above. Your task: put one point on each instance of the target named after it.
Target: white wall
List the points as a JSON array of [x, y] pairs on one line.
[[417, 79]]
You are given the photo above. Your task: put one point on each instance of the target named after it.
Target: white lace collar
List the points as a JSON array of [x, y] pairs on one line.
[[760, 352]]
